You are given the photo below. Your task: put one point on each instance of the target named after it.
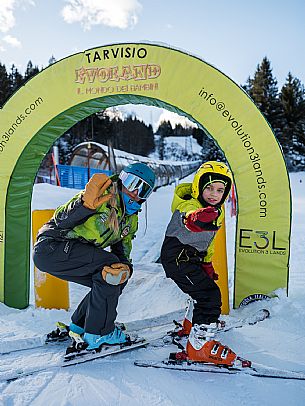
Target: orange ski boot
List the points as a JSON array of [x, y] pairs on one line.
[[202, 347], [184, 329], [187, 322]]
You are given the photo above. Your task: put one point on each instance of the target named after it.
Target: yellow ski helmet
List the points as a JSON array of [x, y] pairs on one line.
[[210, 172]]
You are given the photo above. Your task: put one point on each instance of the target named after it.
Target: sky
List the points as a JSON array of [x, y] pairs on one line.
[[234, 36]]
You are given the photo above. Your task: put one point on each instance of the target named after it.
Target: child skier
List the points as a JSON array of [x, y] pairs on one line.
[[187, 252], [71, 246]]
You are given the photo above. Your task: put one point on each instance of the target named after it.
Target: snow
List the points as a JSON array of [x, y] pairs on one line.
[[188, 143], [175, 119], [177, 148], [278, 341]]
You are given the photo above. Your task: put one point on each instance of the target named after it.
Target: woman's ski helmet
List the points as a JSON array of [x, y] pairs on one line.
[[138, 176]]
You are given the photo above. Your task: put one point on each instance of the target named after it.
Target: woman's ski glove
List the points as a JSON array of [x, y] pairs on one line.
[[116, 274], [198, 220], [208, 268], [93, 194]]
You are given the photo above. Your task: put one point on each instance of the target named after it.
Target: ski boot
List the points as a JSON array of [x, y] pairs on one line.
[[61, 333], [184, 329], [77, 346], [181, 330], [202, 347], [116, 337]]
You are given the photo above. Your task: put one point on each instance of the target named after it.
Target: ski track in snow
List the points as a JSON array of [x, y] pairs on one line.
[[278, 341]]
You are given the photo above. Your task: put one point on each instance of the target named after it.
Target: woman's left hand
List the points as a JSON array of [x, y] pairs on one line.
[[94, 190]]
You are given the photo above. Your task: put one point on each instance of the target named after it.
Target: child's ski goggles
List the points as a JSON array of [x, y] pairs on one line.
[[132, 182]]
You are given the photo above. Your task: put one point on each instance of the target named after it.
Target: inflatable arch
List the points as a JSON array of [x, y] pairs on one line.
[[154, 75]]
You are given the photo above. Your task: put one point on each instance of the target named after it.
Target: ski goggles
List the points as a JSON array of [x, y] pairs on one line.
[[132, 182]]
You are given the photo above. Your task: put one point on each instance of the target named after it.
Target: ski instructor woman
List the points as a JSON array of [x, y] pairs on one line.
[[71, 246]]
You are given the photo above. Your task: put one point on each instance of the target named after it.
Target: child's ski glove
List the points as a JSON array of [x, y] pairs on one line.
[[116, 274], [93, 194], [208, 268], [198, 220]]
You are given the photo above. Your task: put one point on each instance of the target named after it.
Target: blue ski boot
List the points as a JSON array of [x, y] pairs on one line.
[[117, 336], [76, 329]]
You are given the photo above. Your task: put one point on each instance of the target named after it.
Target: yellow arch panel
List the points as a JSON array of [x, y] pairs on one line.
[[160, 76]]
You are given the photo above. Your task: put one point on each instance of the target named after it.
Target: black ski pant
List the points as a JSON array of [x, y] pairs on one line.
[[82, 263], [191, 279]]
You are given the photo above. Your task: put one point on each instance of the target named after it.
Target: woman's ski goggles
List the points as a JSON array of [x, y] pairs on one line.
[[132, 182]]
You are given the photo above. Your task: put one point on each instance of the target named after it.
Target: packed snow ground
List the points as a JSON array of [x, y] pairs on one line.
[[278, 341]]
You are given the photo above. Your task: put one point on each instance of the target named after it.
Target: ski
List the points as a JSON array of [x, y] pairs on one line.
[[106, 350], [255, 369], [223, 326], [30, 343], [80, 358], [255, 318]]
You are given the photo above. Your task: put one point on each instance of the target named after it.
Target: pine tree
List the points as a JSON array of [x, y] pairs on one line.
[[179, 130], [15, 78], [165, 129], [52, 60], [161, 147], [136, 137], [5, 86], [210, 150], [264, 92], [30, 71], [292, 98]]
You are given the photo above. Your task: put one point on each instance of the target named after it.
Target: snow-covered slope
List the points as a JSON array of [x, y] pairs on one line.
[[278, 341]]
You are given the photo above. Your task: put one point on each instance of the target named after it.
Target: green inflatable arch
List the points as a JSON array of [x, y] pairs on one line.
[[154, 75]]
